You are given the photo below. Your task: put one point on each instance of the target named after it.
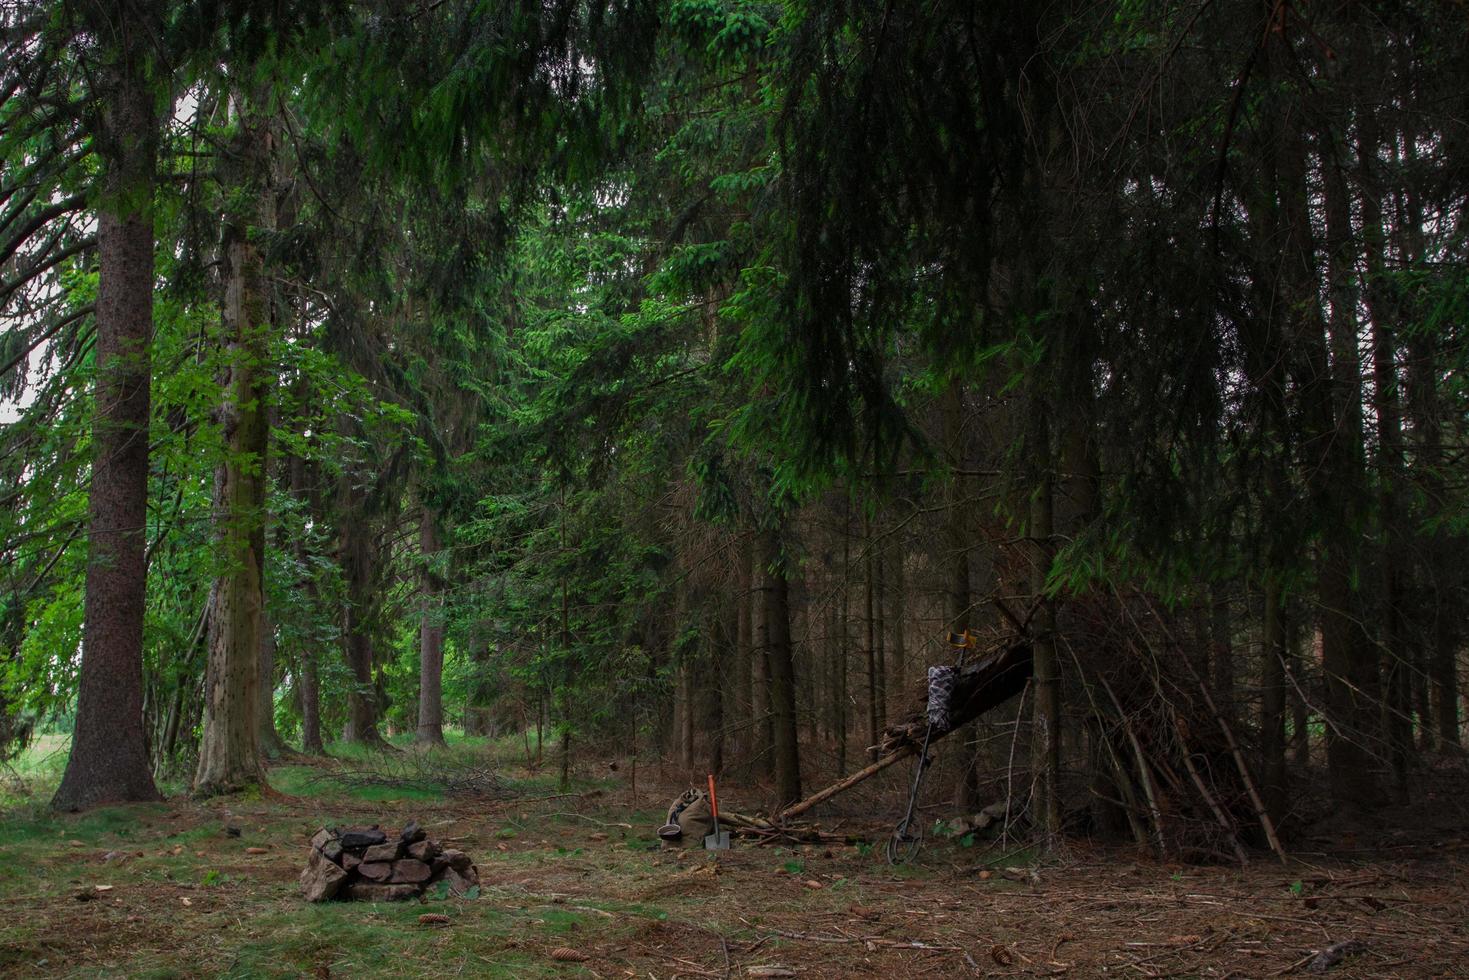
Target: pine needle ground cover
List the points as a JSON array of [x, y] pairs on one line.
[[575, 885]]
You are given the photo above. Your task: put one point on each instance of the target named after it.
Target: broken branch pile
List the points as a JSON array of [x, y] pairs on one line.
[[1167, 757]]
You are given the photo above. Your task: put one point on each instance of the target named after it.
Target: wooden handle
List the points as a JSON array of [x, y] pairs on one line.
[[713, 803]]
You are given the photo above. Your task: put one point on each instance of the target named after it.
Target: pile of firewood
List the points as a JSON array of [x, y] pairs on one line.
[[363, 864]]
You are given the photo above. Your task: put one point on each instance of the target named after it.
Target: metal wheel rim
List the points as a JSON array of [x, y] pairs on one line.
[[904, 846]]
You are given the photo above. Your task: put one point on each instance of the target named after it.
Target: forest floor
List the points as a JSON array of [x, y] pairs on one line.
[[165, 890]]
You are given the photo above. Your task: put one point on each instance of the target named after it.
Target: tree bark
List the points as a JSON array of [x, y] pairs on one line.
[[1296, 683], [721, 636], [229, 752], [1221, 648], [760, 682], [841, 641], [897, 618], [744, 651], [1332, 449], [431, 638], [306, 496], [874, 689], [362, 703], [1272, 703], [272, 746], [477, 718], [1046, 744], [782, 668], [109, 755]]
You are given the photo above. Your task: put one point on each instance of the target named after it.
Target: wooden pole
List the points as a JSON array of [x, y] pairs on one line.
[[845, 784]]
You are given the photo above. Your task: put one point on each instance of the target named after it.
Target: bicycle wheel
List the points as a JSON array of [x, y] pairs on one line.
[[904, 844]]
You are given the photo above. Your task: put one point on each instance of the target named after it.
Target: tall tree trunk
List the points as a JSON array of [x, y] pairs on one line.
[[311, 742], [1300, 735], [898, 618], [477, 717], [431, 637], [1046, 744], [1221, 648], [1387, 407], [306, 496], [782, 668], [841, 638], [272, 746], [1332, 451], [760, 681], [954, 559], [874, 689], [686, 700], [1272, 702], [721, 643], [362, 703], [109, 754], [685, 649], [229, 751], [743, 666], [879, 605]]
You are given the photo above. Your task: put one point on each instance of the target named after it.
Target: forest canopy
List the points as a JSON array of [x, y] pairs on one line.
[[672, 376]]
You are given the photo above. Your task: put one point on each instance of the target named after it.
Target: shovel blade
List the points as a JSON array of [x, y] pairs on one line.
[[717, 842]]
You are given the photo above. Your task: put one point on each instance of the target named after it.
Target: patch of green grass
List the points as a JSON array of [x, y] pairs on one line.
[[360, 939], [34, 774], [560, 920], [309, 781]]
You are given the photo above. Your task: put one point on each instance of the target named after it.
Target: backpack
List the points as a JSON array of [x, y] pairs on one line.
[[694, 818]]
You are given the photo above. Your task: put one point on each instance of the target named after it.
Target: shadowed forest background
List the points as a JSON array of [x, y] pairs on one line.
[[649, 388]]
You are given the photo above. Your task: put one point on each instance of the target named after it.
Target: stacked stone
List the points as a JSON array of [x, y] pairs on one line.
[[362, 864]]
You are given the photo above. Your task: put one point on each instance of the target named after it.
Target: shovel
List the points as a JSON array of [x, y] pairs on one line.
[[719, 840]]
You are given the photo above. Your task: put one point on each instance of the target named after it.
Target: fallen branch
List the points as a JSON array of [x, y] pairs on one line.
[[987, 683], [845, 784]]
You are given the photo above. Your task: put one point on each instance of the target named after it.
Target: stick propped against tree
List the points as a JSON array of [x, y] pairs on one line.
[[987, 683]]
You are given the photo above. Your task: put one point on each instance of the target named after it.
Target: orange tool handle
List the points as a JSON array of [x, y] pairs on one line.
[[713, 803]]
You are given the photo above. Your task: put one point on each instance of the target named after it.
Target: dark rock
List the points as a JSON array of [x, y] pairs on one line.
[[409, 870], [413, 833], [424, 850], [321, 879], [358, 838], [361, 891], [326, 842], [350, 860], [390, 851], [375, 870]]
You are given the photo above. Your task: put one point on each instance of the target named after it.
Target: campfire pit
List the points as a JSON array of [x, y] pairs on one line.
[[365, 864]]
